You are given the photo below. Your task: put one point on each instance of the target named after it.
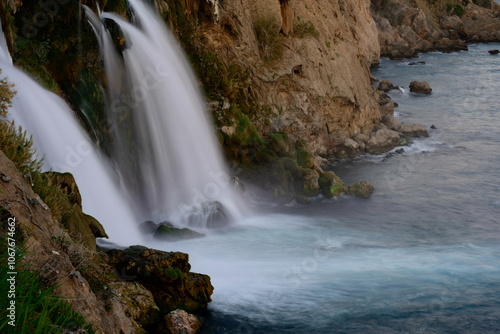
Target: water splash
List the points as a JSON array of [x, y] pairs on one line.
[[164, 143]]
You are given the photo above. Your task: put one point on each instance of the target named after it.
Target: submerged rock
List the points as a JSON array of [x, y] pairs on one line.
[[331, 185], [181, 322], [168, 232], [361, 189], [420, 87], [166, 274], [417, 63], [494, 52]]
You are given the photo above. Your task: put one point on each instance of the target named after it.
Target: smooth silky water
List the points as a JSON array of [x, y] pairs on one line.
[[421, 256]]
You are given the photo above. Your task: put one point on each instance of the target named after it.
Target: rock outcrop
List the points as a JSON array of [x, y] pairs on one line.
[[408, 27], [166, 274]]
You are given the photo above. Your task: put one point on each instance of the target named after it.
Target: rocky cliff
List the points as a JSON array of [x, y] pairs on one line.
[[306, 65], [408, 27]]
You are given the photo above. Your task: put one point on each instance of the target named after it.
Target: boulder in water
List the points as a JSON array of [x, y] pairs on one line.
[[181, 322], [417, 63], [331, 185], [494, 52], [391, 122], [420, 87], [361, 189]]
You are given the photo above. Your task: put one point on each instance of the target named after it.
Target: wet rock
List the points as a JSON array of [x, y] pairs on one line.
[[166, 274], [361, 189], [433, 127], [168, 232], [208, 214], [181, 322], [420, 87], [385, 86], [382, 141], [331, 185], [391, 122], [303, 200], [400, 151], [494, 52], [417, 63], [237, 184], [413, 130]]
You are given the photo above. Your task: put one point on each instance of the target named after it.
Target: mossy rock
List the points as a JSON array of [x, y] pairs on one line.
[[310, 183], [331, 185], [305, 159], [361, 189], [171, 233], [278, 143]]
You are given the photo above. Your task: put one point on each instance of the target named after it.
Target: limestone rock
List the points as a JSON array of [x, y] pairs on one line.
[[361, 189], [181, 322], [382, 141], [420, 87], [331, 185], [413, 130], [391, 122], [448, 45]]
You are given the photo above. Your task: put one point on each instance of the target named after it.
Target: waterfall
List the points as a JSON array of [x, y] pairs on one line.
[[165, 146], [58, 137]]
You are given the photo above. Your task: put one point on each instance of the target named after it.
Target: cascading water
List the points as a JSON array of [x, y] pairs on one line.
[[164, 145], [58, 137]]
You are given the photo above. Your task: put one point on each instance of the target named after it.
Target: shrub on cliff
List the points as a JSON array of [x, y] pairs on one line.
[[267, 31]]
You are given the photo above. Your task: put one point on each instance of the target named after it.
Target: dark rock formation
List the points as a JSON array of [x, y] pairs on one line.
[[166, 274], [420, 87], [168, 232]]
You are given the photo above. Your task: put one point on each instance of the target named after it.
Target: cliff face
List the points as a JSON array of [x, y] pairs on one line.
[[315, 87]]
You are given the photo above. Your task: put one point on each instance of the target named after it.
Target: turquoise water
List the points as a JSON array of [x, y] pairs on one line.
[[421, 256]]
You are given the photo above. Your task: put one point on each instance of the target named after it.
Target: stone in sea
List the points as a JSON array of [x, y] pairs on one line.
[[421, 87], [361, 189], [494, 52]]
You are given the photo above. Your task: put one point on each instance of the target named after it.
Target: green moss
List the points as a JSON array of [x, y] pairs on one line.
[[305, 159], [331, 185]]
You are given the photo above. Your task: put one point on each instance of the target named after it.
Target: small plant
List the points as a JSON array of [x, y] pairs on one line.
[[37, 309], [267, 30], [328, 44], [303, 29]]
